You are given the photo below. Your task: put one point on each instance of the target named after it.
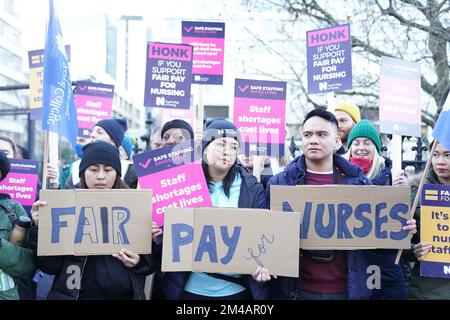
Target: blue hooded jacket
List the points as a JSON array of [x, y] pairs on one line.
[[358, 261]]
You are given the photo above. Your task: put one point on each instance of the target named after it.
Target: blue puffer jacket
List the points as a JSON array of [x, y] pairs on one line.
[[251, 196], [357, 260]]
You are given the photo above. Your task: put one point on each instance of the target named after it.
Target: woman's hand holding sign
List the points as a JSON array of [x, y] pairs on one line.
[[421, 250], [156, 231], [261, 274], [35, 210], [411, 226], [128, 258]]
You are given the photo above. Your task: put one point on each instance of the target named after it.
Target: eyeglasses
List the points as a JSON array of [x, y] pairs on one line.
[[220, 147]]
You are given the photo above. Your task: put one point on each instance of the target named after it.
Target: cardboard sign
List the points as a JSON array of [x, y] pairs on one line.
[[434, 229], [347, 217], [21, 182], [231, 240], [208, 40], [94, 222], [260, 115], [400, 90], [175, 176], [36, 77], [169, 75], [329, 59], [93, 102]]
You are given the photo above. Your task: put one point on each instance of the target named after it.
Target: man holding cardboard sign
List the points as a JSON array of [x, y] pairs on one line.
[[79, 229], [324, 274]]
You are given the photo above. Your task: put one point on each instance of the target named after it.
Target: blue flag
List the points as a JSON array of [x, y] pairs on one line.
[[58, 108], [441, 130]]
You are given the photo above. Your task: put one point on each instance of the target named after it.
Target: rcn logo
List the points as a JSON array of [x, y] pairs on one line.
[[160, 101], [323, 86], [197, 77]]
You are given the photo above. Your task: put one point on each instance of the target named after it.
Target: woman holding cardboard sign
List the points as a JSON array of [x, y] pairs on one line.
[[230, 185], [120, 276], [364, 151]]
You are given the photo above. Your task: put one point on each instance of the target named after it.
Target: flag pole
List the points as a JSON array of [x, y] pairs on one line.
[[419, 192], [45, 161]]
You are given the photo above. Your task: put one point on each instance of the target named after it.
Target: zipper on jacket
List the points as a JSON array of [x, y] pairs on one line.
[[81, 277]]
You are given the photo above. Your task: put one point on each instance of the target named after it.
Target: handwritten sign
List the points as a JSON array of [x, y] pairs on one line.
[[94, 222], [231, 240], [347, 217]]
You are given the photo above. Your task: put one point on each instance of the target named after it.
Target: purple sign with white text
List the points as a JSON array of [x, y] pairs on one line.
[[260, 115], [175, 176], [169, 75], [21, 182], [208, 40], [93, 102], [329, 59]]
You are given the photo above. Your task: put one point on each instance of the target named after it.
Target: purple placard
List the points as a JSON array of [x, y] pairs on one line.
[[21, 182], [175, 176], [208, 40], [400, 90], [260, 115], [93, 102], [169, 75], [329, 54]]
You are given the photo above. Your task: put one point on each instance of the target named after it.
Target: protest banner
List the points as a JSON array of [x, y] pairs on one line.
[[36, 76], [347, 217], [434, 229], [175, 176], [21, 182], [400, 89], [183, 114], [94, 222], [329, 59], [168, 76], [208, 41], [260, 115], [231, 240], [93, 102]]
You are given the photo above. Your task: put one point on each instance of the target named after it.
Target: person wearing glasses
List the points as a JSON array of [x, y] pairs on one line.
[[230, 185]]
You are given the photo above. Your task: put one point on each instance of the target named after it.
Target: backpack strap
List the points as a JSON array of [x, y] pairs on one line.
[[9, 212]]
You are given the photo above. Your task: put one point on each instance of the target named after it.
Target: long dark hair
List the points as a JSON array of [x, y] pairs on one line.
[[118, 183], [227, 181]]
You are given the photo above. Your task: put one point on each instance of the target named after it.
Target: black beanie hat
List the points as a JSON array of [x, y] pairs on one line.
[[4, 165], [100, 152], [115, 127], [177, 124], [220, 128]]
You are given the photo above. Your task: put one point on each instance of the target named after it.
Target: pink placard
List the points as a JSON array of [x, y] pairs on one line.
[[182, 186], [260, 120]]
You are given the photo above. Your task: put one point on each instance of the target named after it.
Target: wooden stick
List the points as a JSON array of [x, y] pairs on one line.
[[45, 161], [257, 167], [418, 194], [199, 115]]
